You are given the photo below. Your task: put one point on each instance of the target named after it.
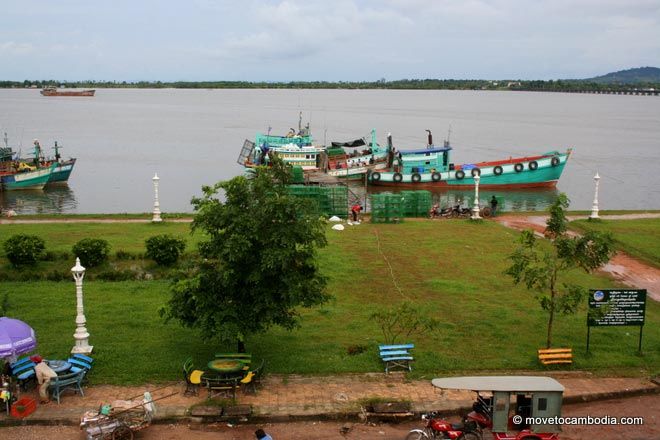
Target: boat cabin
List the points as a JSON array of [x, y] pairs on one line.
[[427, 160]]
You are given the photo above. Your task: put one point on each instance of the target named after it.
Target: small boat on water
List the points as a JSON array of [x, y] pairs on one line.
[[431, 167], [53, 91]]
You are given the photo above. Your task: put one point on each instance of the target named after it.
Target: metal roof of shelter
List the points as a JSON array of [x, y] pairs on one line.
[[500, 383]]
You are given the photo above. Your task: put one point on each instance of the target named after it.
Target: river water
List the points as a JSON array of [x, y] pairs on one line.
[[191, 138]]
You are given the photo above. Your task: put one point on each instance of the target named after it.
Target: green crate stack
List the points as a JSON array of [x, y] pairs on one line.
[[330, 200], [335, 151], [387, 208], [409, 203], [424, 203], [337, 197], [416, 203], [297, 175]]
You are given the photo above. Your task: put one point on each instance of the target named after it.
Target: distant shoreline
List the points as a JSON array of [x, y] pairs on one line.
[[569, 86]]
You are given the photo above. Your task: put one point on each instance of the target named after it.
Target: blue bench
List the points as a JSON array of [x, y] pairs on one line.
[[396, 356], [23, 370], [71, 381]]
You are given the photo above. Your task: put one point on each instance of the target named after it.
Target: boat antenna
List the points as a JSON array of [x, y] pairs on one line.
[[430, 139], [6, 139], [300, 122]]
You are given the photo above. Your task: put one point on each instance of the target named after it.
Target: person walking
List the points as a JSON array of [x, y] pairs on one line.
[[261, 435], [44, 375], [493, 205]]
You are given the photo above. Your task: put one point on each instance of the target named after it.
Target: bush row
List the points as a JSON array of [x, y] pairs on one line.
[[25, 250]]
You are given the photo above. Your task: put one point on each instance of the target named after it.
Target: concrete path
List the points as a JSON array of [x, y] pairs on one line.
[[291, 397]]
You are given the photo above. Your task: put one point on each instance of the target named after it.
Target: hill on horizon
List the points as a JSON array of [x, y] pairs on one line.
[[630, 76]]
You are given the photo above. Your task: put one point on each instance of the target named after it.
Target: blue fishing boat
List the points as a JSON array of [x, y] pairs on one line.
[[431, 167]]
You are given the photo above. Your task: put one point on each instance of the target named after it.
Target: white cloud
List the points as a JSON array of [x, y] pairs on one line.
[[13, 48]]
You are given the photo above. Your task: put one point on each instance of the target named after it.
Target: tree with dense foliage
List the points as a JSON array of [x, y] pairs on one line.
[[259, 261], [540, 268]]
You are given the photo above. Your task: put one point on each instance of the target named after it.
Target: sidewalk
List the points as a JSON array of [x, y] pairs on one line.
[[290, 397]]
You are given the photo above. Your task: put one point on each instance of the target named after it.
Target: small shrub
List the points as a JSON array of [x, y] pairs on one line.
[[123, 255], [55, 255], [91, 251], [164, 249], [24, 249], [117, 275], [58, 275], [353, 350]]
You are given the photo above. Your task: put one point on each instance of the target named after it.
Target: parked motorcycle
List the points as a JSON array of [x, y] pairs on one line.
[[437, 428]]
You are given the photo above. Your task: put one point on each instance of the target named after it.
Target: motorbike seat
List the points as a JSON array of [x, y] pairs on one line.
[[457, 426]]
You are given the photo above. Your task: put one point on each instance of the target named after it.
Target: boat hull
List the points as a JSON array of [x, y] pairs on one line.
[[68, 93], [545, 175], [28, 180], [61, 172]]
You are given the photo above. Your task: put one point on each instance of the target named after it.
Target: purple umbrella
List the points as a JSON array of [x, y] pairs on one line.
[[16, 337]]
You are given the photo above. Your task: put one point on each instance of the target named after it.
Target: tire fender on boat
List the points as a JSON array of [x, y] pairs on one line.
[[555, 161], [397, 177], [436, 176], [533, 165], [375, 176], [518, 167], [497, 170], [459, 175], [475, 171], [416, 178]]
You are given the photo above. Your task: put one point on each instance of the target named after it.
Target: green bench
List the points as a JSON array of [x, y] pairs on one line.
[[396, 356], [70, 381]]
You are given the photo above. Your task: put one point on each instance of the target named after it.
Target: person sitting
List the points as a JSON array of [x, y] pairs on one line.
[[44, 375], [435, 211]]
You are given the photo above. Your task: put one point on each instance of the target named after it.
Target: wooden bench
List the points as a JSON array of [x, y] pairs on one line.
[[396, 356], [550, 356], [71, 381]]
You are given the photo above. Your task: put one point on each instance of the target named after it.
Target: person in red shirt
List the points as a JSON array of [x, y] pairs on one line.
[[355, 211]]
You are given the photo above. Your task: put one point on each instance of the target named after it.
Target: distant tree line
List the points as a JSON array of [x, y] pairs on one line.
[[405, 84]]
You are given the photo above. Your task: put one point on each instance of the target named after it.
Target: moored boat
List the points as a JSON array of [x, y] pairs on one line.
[[298, 149], [53, 91], [11, 179], [355, 165], [431, 167], [63, 168]]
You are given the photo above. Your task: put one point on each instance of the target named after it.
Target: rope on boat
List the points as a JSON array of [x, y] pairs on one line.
[[389, 266]]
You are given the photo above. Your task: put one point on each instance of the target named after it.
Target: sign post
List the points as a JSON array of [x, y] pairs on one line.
[[619, 307]]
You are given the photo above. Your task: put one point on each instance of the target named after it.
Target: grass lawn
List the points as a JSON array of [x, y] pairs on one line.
[[639, 238], [452, 268]]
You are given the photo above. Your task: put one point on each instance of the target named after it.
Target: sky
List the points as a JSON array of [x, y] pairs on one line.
[[333, 40]]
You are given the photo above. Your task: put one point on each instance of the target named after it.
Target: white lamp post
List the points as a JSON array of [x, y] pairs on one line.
[[594, 208], [475, 208], [81, 335], [156, 217]]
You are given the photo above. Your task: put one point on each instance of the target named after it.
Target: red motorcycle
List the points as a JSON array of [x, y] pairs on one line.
[[437, 428]]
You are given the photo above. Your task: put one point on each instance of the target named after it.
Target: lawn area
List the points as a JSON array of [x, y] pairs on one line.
[[452, 268], [639, 238]]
